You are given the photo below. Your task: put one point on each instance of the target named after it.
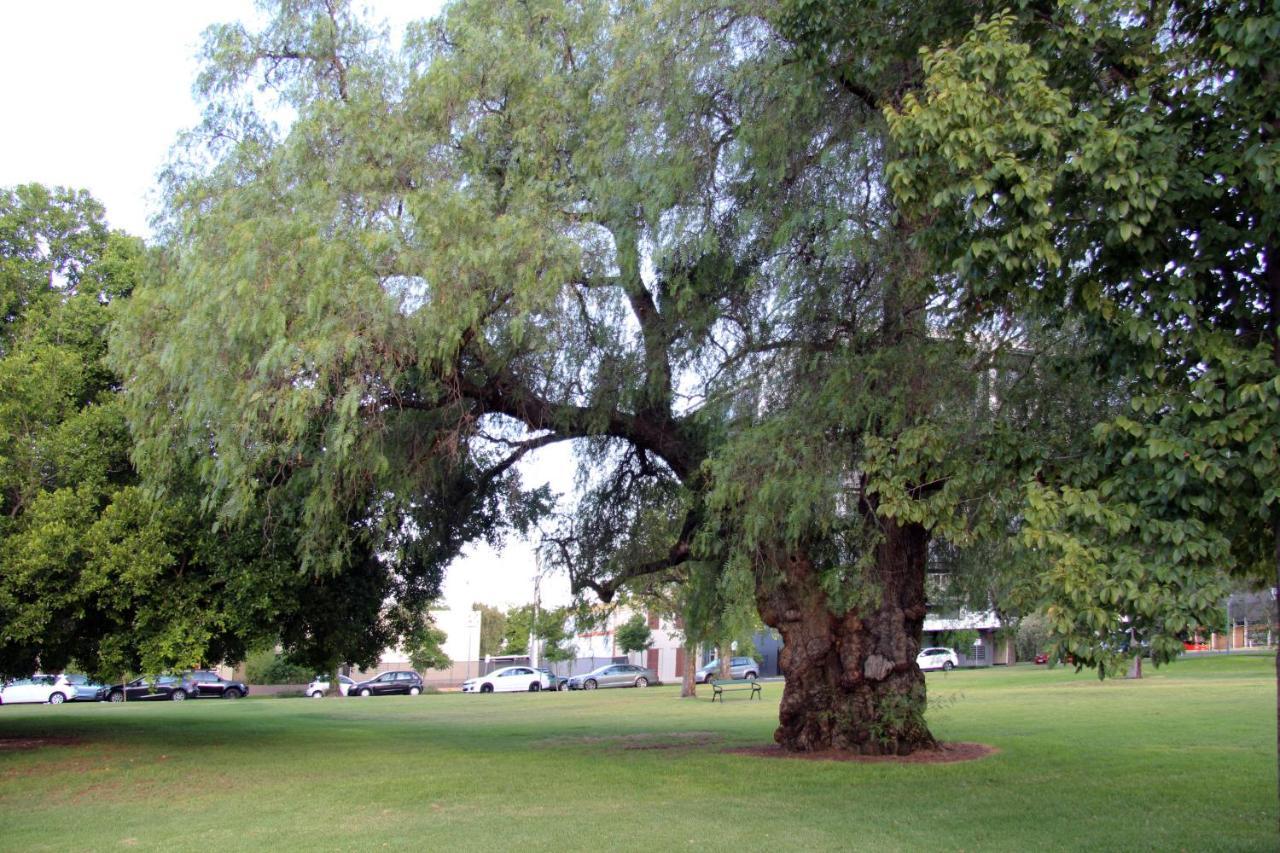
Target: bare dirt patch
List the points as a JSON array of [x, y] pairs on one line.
[[640, 741], [946, 753], [23, 743]]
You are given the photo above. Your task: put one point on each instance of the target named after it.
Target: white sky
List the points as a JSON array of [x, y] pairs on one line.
[[96, 93]]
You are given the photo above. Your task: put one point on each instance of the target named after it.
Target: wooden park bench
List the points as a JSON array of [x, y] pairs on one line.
[[719, 687]]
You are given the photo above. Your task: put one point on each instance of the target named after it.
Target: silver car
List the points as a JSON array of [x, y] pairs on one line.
[[739, 668], [614, 675]]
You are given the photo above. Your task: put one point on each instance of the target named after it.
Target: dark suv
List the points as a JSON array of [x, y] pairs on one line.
[[397, 681], [206, 685]]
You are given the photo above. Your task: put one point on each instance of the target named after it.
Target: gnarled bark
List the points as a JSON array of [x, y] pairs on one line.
[[851, 679]]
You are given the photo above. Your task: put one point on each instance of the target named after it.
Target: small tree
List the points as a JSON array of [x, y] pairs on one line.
[[634, 634], [493, 623], [426, 648]]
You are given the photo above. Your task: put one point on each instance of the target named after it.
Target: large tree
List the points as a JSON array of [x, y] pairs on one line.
[[661, 232], [93, 570], [1119, 161]]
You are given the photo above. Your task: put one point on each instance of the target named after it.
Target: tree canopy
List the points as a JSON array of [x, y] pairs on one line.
[[755, 262]]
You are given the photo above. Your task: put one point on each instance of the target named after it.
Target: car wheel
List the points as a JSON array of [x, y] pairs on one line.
[[590, 684], [366, 692], [751, 676], [414, 691], [642, 682], [57, 699], [231, 693], [486, 688], [316, 694], [178, 695], [116, 696], [535, 687], [947, 666]]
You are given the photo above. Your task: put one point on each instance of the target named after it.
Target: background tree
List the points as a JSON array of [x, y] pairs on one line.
[[493, 625], [634, 634], [426, 648], [516, 630], [553, 631], [92, 568]]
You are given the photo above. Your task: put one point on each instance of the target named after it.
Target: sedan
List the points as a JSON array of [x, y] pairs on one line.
[[509, 679], [614, 675], [210, 685], [739, 668], [399, 681], [320, 686], [938, 658], [86, 690], [37, 689], [151, 688]]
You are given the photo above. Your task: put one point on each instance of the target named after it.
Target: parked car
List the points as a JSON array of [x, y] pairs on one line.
[[210, 685], [38, 688], [738, 668], [151, 688], [509, 679], [555, 682], [1041, 659], [614, 675], [938, 658], [398, 681], [86, 690], [320, 686]]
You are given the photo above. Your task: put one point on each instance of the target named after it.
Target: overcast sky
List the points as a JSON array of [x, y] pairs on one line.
[[95, 95]]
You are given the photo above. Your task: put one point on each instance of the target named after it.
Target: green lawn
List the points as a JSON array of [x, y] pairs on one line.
[[1184, 759]]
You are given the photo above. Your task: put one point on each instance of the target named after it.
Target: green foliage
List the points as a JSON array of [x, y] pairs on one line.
[[1033, 637], [634, 634], [516, 630], [270, 667], [493, 625], [1115, 161], [426, 648], [92, 568]]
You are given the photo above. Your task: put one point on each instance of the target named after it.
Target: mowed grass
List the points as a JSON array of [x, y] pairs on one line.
[[1184, 760]]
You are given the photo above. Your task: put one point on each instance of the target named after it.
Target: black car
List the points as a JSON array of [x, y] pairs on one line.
[[211, 685], [398, 681], [150, 688]]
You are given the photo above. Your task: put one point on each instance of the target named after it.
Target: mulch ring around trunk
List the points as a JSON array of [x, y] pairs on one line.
[[946, 753], [21, 743]]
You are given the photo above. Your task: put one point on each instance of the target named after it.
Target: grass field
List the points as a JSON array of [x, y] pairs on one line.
[[1184, 760]]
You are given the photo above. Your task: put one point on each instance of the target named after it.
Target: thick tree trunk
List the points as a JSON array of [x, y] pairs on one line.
[[335, 683], [851, 679], [1135, 667], [689, 681], [724, 656]]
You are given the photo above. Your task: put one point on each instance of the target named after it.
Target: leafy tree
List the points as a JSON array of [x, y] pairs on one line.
[[92, 569], [634, 634], [662, 233], [271, 667], [426, 648], [516, 630], [493, 626], [557, 642], [1116, 162]]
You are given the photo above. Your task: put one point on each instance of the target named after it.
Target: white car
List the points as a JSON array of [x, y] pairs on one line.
[[320, 686], [53, 689], [938, 658], [509, 679]]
